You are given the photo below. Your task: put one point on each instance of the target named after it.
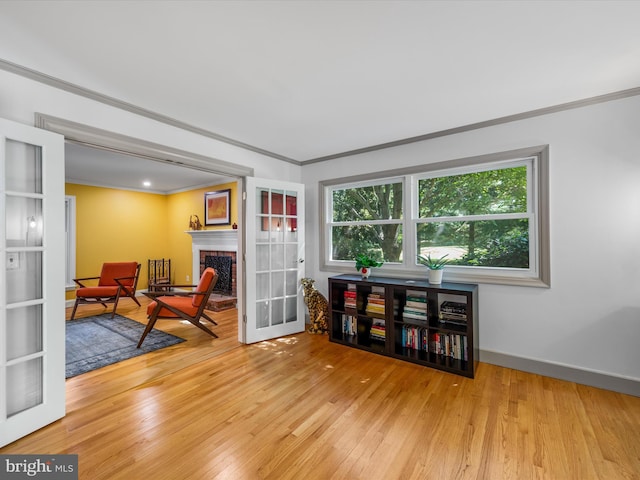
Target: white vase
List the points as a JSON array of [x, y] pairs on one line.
[[365, 272], [435, 276]]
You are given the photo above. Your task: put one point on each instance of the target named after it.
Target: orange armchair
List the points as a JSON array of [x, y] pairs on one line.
[[116, 280], [182, 305]]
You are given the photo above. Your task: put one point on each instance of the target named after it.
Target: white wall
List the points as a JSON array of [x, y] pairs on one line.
[[590, 317], [21, 98]]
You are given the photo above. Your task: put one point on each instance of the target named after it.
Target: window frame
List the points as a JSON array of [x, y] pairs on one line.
[[538, 273]]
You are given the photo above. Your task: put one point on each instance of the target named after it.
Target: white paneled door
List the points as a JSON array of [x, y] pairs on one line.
[[274, 259], [32, 279]]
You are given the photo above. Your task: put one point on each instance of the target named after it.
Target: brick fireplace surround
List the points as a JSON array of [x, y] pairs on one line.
[[221, 243]]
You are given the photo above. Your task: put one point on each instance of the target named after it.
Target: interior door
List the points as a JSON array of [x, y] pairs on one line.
[[32, 279], [274, 259]]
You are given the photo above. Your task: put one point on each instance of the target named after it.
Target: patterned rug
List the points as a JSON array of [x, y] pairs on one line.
[[98, 341]]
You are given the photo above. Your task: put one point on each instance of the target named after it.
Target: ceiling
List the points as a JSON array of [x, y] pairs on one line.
[[87, 165], [307, 79]]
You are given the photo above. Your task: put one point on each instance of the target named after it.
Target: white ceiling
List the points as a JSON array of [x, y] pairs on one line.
[[307, 79], [91, 166]]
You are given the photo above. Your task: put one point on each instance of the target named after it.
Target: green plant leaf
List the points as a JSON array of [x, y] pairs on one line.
[[437, 263]]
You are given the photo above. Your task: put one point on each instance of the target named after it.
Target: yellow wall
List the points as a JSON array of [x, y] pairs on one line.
[[179, 208], [120, 225]]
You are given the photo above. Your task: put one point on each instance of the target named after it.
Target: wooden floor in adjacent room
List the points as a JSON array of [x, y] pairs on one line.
[[301, 407]]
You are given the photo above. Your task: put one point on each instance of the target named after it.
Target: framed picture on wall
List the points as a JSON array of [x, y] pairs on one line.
[[217, 207]]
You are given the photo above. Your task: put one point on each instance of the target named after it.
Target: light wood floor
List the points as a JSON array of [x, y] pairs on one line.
[[301, 407]]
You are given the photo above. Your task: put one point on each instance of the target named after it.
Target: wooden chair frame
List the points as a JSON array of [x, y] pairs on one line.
[[180, 315], [123, 291]]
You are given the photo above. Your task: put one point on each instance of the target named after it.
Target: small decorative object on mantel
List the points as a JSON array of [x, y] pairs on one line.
[[435, 265], [234, 226], [194, 222], [364, 264]]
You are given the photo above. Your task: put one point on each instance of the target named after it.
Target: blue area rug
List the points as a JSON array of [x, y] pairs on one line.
[[98, 341]]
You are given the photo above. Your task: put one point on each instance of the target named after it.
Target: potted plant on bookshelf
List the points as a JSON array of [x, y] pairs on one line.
[[435, 265], [364, 264]]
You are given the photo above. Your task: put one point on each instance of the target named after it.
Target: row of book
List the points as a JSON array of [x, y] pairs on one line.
[[416, 307], [378, 330], [376, 302], [450, 345], [350, 297], [453, 312], [349, 325], [415, 337], [447, 344]]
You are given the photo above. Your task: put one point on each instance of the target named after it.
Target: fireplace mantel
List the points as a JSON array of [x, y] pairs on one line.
[[220, 240]]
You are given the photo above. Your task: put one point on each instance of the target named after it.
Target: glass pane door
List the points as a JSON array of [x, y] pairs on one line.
[[23, 216], [31, 331], [274, 259]]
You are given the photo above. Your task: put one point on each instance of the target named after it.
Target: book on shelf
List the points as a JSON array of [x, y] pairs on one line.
[[454, 308], [375, 308], [350, 296], [413, 311], [349, 325], [378, 330], [376, 302], [416, 305], [415, 308], [411, 318], [416, 338], [416, 296], [449, 345], [453, 321], [453, 312]]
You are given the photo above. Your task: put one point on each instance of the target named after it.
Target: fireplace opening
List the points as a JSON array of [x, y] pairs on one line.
[[223, 265]]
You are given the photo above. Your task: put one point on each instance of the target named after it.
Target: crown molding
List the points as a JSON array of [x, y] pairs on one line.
[[143, 112], [608, 97], [84, 92]]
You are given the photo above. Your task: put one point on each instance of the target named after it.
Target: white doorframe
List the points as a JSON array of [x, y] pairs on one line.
[[99, 138]]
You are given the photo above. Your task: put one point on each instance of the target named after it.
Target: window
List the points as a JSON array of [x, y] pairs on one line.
[[367, 219], [488, 215]]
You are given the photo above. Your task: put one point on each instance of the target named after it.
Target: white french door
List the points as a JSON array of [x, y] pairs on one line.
[[32, 279], [274, 259]]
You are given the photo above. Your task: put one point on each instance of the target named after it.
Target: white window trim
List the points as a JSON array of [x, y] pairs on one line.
[[538, 275]]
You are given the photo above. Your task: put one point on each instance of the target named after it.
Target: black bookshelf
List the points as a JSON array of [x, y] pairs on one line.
[[409, 319]]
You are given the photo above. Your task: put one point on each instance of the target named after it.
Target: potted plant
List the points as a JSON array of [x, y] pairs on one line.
[[435, 265], [364, 264]]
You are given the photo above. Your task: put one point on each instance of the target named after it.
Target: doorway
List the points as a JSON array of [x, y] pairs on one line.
[[163, 155]]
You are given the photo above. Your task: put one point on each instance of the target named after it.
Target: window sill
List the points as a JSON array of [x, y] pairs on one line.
[[488, 276]]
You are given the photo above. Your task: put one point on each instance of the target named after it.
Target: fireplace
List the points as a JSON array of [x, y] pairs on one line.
[[221, 245], [224, 263]]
